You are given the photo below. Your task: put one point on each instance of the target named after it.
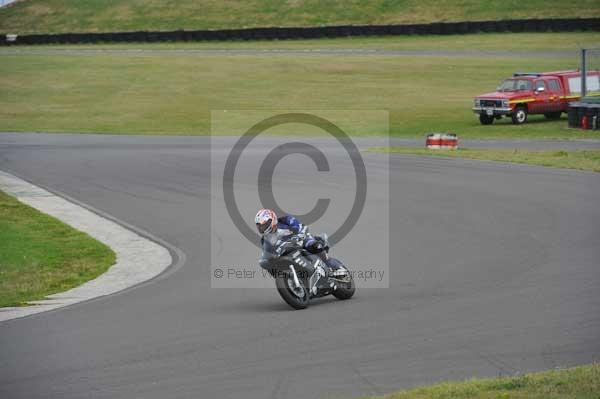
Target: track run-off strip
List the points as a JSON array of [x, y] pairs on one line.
[[283, 51], [138, 258]]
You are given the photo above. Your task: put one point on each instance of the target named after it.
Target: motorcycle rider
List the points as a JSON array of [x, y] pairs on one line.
[[275, 230], [284, 228], [307, 277]]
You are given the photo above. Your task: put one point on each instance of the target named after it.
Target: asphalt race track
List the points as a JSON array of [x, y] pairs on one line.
[[494, 270], [287, 51]]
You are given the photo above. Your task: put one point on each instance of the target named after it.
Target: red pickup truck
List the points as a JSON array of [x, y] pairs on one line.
[[547, 93]]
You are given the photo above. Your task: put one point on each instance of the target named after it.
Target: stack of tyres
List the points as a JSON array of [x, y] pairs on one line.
[[443, 141], [433, 141], [580, 115], [590, 113], [572, 114], [449, 141], [595, 125]]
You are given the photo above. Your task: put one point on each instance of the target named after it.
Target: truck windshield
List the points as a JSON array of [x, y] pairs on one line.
[[515, 85]]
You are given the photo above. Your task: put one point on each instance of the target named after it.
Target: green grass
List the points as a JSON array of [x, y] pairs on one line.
[[46, 16], [154, 93], [40, 256], [581, 382], [582, 159]]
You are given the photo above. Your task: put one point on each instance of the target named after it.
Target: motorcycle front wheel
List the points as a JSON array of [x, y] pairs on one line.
[[345, 288], [296, 297]]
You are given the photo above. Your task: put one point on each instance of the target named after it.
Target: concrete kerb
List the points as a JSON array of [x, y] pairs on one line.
[[141, 257]]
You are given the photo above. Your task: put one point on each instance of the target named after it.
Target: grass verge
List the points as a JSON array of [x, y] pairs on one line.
[[40, 255], [155, 93], [581, 160], [581, 382], [51, 16]]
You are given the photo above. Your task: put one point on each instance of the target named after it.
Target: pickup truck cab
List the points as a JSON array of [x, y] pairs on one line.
[[547, 93]]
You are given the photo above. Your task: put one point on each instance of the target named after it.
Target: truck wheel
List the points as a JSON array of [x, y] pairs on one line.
[[553, 115], [519, 116], [486, 119]]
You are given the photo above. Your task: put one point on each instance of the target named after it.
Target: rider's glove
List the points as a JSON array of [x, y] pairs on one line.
[[314, 246]]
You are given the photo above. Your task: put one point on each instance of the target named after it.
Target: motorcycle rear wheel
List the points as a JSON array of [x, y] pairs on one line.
[[298, 297]]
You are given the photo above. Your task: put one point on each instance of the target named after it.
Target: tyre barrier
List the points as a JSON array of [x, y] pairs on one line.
[[441, 141], [433, 141], [584, 116], [573, 120], [282, 33]]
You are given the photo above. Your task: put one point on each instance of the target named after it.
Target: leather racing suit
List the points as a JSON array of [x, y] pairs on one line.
[[289, 227]]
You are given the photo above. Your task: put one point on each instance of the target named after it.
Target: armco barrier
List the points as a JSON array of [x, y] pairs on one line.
[[281, 33]]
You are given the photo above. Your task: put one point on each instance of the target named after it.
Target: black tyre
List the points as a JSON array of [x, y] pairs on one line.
[[486, 119], [298, 298], [345, 285], [519, 116], [553, 115]]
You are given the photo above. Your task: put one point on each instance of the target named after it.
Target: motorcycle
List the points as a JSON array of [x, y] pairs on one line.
[[301, 276]]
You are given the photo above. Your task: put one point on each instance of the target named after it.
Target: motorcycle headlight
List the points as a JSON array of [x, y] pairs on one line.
[[504, 103], [477, 102]]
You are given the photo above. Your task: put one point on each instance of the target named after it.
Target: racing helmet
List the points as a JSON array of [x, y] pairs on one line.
[[266, 221]]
